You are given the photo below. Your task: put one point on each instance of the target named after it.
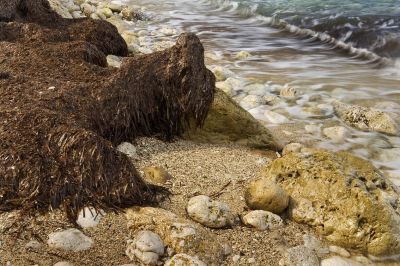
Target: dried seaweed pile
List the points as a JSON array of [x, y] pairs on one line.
[[62, 112]]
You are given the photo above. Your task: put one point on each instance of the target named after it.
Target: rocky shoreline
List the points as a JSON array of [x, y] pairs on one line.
[[236, 197]]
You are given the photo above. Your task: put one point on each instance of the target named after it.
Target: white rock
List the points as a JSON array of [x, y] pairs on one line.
[[275, 118], [236, 84], [61, 9], [225, 87], [77, 14], [313, 129], [251, 261], [340, 251], [338, 261], [209, 212], [63, 263], [70, 240], [251, 101], [146, 247], [88, 9], [263, 220], [184, 260], [88, 217], [128, 149], [221, 73], [95, 16], [337, 134], [255, 89], [271, 99], [288, 92], [106, 12], [242, 55], [300, 256], [115, 7], [145, 50], [292, 147]]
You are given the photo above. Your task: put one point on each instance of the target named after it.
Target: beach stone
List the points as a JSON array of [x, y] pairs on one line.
[[340, 251], [255, 89], [69, 240], [364, 118], [313, 129], [114, 61], [266, 195], [292, 147], [333, 192], [227, 122], [337, 134], [271, 99], [88, 217], [63, 263], [338, 261], [61, 9], [236, 258], [184, 260], [236, 84], [88, 9], [242, 55], [129, 149], [115, 7], [275, 118], [288, 92], [95, 16], [147, 247], [300, 256], [221, 73], [208, 212], [225, 87], [77, 14], [106, 12], [156, 174], [263, 220], [168, 31], [33, 245], [251, 101], [180, 235]]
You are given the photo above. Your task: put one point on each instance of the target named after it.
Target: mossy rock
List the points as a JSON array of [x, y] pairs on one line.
[[228, 122], [344, 197]]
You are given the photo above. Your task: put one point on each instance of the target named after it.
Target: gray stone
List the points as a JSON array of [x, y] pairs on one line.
[[263, 220], [69, 240]]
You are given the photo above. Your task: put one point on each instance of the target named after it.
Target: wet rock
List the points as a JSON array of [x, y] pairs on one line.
[[266, 195], [263, 220], [255, 89], [292, 147], [115, 7], [168, 31], [225, 87], [208, 212], [128, 149], [114, 61], [242, 55], [340, 251], [147, 247], [271, 99], [251, 101], [221, 73], [334, 193], [89, 217], [337, 134], [288, 92], [69, 240], [275, 118], [180, 235], [338, 261], [156, 175], [184, 260], [365, 118], [313, 129], [300, 256], [106, 12]]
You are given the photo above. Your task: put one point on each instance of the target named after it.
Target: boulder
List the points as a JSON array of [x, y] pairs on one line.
[[364, 118], [228, 122], [344, 197], [178, 234], [263, 220], [266, 195], [208, 212]]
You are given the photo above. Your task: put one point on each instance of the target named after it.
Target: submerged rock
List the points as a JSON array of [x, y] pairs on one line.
[[69, 240], [344, 197], [337, 134], [180, 235], [211, 213], [366, 118]]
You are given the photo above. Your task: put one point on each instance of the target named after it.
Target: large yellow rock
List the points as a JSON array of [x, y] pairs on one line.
[[344, 197], [228, 122]]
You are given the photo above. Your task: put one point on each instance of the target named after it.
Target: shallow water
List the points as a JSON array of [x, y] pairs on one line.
[[321, 71]]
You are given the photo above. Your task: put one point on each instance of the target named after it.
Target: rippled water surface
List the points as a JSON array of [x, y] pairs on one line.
[[321, 65]]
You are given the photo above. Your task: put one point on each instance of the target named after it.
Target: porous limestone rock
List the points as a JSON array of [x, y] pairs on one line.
[[184, 260], [263, 220], [366, 118], [156, 174], [147, 247], [228, 122], [262, 194], [69, 240], [344, 197], [208, 212], [180, 235]]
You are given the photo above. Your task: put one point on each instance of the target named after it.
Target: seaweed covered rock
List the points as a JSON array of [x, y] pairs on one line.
[[228, 122], [344, 197], [179, 235], [63, 112]]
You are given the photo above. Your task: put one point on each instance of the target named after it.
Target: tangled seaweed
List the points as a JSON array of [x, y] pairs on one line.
[[62, 111]]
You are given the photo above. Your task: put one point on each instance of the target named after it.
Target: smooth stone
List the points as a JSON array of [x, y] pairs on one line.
[[225, 87], [242, 55], [221, 73], [263, 220], [94, 16], [156, 174], [208, 212], [236, 258], [106, 12], [251, 101], [255, 89], [147, 247], [340, 251], [337, 134], [88, 9], [271, 99], [69, 240], [77, 14], [265, 195], [184, 260], [313, 129], [129, 149], [300, 256], [114, 61], [338, 261], [275, 118], [168, 31], [292, 147], [115, 7], [88, 217], [33, 245], [63, 263], [288, 92], [59, 8], [236, 84]]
